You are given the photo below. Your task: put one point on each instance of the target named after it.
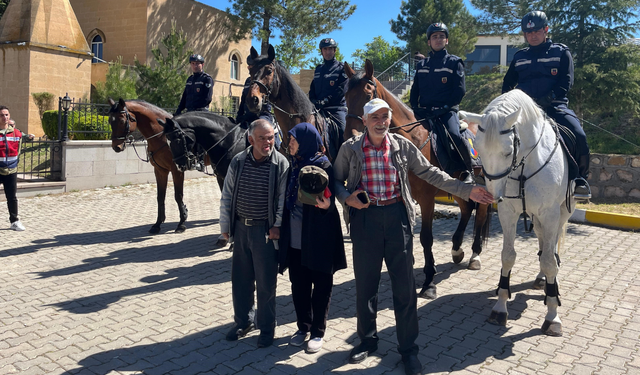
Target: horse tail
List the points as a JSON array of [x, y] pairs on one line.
[[486, 227]]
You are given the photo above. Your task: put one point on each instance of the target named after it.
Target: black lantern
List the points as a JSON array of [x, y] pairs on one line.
[[66, 102]]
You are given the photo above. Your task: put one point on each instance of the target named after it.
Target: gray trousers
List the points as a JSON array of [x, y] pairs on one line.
[[254, 263], [384, 233]]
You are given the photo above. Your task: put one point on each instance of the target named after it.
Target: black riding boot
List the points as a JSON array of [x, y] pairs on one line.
[[582, 190]]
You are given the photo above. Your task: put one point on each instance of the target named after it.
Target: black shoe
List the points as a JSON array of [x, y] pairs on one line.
[[412, 365], [361, 352], [265, 340], [237, 331], [466, 177], [582, 190]]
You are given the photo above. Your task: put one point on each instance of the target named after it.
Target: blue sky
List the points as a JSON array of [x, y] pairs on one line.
[[371, 19]]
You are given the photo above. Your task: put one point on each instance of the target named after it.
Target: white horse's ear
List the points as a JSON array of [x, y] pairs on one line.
[[471, 117], [513, 118]]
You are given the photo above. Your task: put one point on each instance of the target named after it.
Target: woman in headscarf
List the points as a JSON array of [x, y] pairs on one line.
[[312, 246]]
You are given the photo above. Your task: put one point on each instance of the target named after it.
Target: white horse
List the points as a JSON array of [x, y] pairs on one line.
[[526, 170]]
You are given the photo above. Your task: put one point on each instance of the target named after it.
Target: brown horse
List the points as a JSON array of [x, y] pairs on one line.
[[273, 83], [364, 87], [127, 116]]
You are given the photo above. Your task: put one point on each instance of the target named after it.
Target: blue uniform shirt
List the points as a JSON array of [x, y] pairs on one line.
[[329, 84], [438, 82], [197, 93], [544, 72]]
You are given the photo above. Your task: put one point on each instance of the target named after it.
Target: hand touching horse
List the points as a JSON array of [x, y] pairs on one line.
[[364, 87]]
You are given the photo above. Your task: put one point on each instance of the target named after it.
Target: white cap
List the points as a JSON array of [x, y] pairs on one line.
[[374, 105]]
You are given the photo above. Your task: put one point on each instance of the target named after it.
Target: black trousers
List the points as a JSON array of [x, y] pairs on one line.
[[10, 184], [384, 234], [566, 117], [254, 265], [311, 291]]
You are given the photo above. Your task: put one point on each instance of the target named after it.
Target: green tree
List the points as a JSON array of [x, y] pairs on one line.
[[291, 17], [162, 82], [416, 16], [315, 61], [120, 83], [292, 51], [381, 53], [3, 6]]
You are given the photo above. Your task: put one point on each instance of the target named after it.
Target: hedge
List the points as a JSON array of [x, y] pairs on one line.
[[77, 123]]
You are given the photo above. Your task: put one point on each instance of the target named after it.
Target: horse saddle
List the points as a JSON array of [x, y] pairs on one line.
[[569, 147], [330, 133], [446, 152]]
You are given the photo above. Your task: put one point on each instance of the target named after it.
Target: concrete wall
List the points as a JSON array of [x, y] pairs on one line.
[[94, 164], [14, 92], [614, 176]]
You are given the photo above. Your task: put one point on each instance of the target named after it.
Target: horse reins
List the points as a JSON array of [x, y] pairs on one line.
[[129, 139]]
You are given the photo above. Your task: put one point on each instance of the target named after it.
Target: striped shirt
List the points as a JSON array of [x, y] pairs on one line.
[[379, 176], [253, 189]]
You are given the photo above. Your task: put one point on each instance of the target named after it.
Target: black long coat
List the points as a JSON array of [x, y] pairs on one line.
[[322, 241]]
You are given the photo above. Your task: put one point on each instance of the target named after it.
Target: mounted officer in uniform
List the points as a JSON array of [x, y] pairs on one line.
[[544, 71], [327, 90], [199, 89], [246, 117], [438, 87]]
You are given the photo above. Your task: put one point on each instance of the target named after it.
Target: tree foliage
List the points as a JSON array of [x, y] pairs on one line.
[[292, 51], [416, 16], [120, 83], [311, 18], [381, 53], [3, 6], [162, 82]]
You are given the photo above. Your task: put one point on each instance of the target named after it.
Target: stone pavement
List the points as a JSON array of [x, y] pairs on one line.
[[85, 290]]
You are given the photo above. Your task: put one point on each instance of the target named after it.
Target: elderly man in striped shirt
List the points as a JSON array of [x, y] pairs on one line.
[[377, 163], [251, 215]]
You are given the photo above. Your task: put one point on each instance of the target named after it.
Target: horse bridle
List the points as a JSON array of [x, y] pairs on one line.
[[375, 96], [127, 125], [266, 99]]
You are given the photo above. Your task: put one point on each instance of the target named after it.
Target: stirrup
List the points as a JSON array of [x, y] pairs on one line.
[[466, 177], [582, 191]]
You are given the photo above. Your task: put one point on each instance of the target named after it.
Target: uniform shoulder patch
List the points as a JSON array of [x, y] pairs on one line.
[[563, 46]]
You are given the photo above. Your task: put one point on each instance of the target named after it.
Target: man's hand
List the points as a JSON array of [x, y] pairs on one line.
[[274, 233], [354, 202], [481, 195], [31, 137], [226, 236]]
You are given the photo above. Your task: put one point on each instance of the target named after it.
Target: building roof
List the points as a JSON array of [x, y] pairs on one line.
[[44, 23]]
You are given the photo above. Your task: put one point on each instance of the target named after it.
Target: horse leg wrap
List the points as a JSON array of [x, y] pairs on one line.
[[551, 290], [504, 284]]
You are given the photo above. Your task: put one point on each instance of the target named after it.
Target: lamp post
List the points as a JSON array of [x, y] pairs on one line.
[[66, 104]]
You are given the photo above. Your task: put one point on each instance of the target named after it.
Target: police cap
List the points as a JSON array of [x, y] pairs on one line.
[[328, 42], [533, 21], [435, 27], [197, 58]]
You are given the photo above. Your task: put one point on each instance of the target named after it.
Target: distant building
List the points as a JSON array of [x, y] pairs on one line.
[[492, 51]]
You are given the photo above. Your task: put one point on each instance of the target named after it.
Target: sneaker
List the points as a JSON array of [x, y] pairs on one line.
[[17, 226], [298, 338], [315, 344]]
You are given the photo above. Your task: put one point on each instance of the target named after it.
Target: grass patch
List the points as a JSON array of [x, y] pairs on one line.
[[626, 206]]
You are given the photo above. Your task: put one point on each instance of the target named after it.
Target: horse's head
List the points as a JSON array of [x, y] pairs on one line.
[[263, 79], [362, 87], [181, 141], [122, 122]]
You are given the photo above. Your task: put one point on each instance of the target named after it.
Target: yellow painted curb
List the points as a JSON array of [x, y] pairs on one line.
[[613, 220]]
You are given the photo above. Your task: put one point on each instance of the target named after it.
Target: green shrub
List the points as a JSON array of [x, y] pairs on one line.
[[77, 123]]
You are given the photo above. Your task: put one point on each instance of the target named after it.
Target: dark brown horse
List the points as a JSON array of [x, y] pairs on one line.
[[364, 87], [273, 83], [127, 116]]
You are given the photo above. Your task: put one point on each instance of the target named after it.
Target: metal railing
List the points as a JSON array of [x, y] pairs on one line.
[[40, 159]]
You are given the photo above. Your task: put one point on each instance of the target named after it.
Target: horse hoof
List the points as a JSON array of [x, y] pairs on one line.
[[498, 318], [539, 283], [154, 229], [552, 329], [428, 292], [221, 242], [474, 264], [181, 228], [457, 258]]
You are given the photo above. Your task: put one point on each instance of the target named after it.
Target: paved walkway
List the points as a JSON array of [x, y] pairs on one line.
[[85, 290]]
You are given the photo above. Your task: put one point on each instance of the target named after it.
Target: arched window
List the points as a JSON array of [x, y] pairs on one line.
[[96, 49], [235, 66]]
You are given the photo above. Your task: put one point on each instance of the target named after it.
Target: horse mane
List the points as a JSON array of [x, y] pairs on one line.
[[151, 107], [506, 104], [289, 91]]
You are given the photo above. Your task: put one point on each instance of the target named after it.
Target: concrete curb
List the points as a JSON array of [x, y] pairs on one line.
[[603, 219]]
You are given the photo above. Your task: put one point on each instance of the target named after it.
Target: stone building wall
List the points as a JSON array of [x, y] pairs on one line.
[[615, 176]]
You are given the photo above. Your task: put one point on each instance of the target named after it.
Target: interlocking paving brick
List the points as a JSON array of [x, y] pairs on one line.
[[87, 290]]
